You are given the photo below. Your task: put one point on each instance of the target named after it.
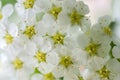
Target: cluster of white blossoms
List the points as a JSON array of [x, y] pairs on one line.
[[55, 40]]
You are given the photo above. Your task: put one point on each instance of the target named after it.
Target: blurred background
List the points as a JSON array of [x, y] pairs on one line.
[[99, 8]]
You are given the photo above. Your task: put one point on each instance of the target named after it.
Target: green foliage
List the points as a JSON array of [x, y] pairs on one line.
[[36, 71], [4, 2], [112, 46], [61, 78]]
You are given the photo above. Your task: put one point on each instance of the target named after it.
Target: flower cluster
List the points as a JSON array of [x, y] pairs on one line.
[[55, 40]]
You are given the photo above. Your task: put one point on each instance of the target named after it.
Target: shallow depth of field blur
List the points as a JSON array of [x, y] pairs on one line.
[[99, 8]]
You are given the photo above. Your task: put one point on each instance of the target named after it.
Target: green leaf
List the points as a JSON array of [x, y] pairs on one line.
[[61, 78], [112, 25], [112, 46], [111, 54], [36, 71], [4, 2]]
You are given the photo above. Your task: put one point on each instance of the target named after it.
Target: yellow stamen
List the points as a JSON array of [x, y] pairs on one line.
[[29, 31], [49, 76], [55, 11], [40, 56], [29, 4], [92, 48], [17, 63], [8, 38], [1, 16], [58, 38], [104, 73], [66, 61], [107, 31], [75, 17]]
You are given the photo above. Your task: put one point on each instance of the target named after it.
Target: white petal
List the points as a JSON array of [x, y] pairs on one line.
[[22, 75], [44, 5], [69, 76], [36, 77], [45, 68], [46, 47], [96, 63], [58, 71], [114, 66], [117, 77], [90, 75], [13, 29], [105, 21], [3, 43], [20, 9], [83, 40], [30, 48], [67, 5], [38, 40], [48, 20], [7, 10], [29, 17], [103, 50], [52, 58], [116, 52], [2, 30], [82, 8], [63, 19], [85, 24]]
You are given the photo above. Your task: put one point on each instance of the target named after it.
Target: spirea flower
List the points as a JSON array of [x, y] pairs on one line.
[[56, 40]]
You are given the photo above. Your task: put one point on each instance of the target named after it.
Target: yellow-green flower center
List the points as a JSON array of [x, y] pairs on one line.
[[58, 38], [66, 61], [92, 48], [17, 63], [49, 76], [75, 17], [29, 31], [104, 73], [8, 38], [29, 4], [40, 56], [107, 31], [80, 78], [55, 11], [1, 16]]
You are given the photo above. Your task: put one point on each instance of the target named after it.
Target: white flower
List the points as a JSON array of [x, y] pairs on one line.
[[113, 66], [103, 29], [68, 64], [4, 70], [23, 5], [45, 72], [97, 39], [75, 14], [55, 33], [19, 65], [52, 7], [92, 46], [104, 70], [93, 65], [8, 33], [27, 26]]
